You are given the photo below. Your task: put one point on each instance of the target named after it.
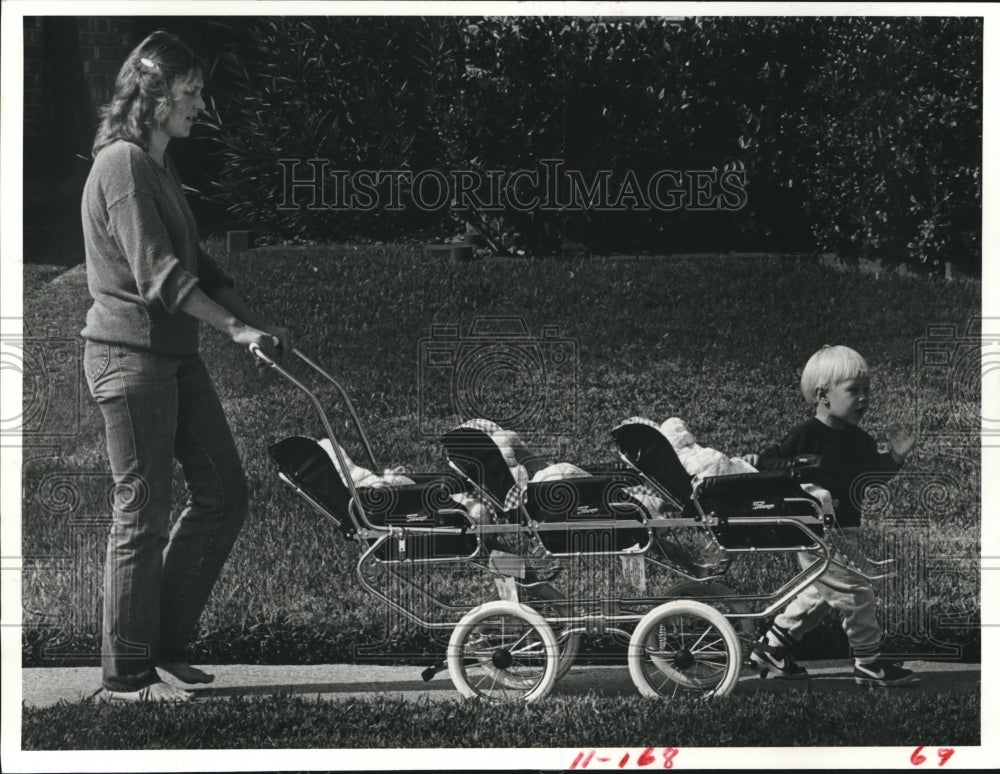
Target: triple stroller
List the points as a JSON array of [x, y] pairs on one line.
[[517, 571]]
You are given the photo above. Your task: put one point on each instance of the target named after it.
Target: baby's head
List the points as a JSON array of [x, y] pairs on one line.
[[828, 368]]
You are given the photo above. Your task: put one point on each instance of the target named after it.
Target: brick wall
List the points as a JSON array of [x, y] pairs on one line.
[[34, 100], [104, 44], [101, 44], [70, 64]]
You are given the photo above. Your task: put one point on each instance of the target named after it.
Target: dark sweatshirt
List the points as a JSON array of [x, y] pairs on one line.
[[851, 461], [143, 257]]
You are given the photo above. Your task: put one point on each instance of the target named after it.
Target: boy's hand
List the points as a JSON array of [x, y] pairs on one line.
[[901, 444]]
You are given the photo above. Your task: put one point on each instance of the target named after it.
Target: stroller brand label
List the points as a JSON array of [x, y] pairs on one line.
[[762, 505]]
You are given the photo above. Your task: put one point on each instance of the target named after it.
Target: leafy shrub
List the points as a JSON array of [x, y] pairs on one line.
[[891, 147], [362, 93], [856, 135], [603, 96]]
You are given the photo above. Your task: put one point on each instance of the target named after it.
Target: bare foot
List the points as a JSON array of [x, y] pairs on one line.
[[185, 672], [157, 692]]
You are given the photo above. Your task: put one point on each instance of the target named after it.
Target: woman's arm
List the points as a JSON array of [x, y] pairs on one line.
[[232, 302], [241, 331]]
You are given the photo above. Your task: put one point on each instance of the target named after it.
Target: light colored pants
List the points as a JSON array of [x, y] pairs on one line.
[[850, 595], [157, 579]]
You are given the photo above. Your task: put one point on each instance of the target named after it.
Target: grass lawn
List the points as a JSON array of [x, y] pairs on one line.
[[716, 341], [798, 720]]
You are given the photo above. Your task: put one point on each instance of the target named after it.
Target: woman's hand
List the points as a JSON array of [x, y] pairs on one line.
[[752, 459], [284, 337], [229, 314], [242, 316], [247, 335]]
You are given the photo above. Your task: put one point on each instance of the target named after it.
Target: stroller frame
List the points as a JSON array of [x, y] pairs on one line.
[[508, 650]]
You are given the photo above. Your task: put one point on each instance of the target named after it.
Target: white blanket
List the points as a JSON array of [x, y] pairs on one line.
[[702, 461], [362, 477]]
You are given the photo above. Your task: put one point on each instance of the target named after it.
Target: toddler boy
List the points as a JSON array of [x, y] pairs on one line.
[[836, 383]]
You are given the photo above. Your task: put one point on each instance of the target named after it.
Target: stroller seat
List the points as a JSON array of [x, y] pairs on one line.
[[427, 505], [769, 494], [307, 466], [474, 455], [643, 446], [571, 502], [774, 492], [574, 502]]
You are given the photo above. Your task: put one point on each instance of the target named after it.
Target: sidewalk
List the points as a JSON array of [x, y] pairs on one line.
[[44, 687]]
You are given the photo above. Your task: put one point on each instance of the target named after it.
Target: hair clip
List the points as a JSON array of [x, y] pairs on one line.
[[148, 63]]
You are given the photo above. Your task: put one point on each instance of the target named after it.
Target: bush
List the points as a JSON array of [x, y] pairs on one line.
[[362, 93], [891, 147], [606, 96], [861, 136]]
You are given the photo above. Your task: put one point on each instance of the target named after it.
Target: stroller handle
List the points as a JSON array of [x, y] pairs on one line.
[[257, 352]]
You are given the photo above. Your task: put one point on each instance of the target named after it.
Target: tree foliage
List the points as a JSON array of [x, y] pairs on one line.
[[856, 135]]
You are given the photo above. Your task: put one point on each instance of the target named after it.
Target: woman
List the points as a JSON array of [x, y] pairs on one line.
[[152, 284]]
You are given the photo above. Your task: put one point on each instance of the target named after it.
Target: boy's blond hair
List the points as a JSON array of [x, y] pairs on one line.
[[828, 367]]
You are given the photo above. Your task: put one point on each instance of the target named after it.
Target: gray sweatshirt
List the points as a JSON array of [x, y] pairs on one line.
[[143, 257]]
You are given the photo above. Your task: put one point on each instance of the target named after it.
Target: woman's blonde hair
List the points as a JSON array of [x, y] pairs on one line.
[[829, 367], [142, 95]]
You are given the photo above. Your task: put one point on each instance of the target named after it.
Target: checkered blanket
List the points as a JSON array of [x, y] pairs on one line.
[[505, 440]]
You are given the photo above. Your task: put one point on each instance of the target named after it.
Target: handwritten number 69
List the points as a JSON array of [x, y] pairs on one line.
[[944, 753]]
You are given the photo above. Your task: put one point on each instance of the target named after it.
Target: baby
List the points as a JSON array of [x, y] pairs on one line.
[[364, 478]]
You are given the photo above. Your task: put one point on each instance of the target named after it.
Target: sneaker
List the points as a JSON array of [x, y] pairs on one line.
[[882, 673], [156, 692], [777, 659]]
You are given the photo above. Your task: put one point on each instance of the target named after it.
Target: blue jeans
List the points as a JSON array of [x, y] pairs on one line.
[[157, 579]]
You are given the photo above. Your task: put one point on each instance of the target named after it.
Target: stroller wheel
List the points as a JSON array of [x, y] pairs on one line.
[[684, 647], [552, 602], [569, 645], [503, 651], [745, 629]]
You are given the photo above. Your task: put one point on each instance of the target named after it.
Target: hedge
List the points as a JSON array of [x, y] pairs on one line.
[[855, 135]]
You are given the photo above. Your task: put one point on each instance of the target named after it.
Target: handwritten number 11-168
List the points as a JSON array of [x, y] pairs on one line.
[[646, 758]]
